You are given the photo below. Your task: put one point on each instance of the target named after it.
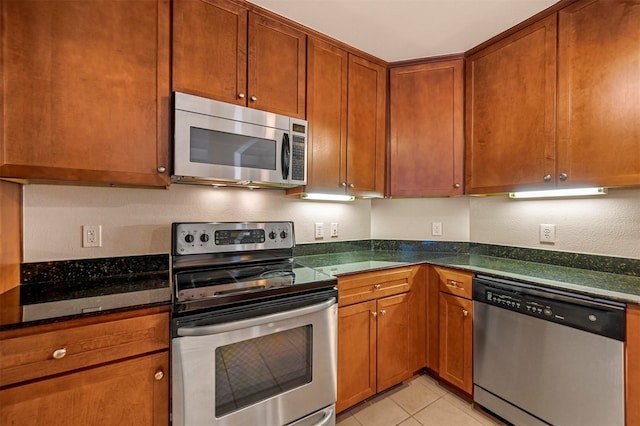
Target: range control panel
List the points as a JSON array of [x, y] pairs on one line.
[[223, 237]]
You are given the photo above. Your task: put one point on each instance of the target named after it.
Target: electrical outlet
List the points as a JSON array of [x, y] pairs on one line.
[[319, 226], [91, 235], [334, 229], [547, 233], [436, 228]]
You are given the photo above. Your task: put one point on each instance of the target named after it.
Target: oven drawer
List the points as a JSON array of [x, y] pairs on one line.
[[455, 282], [45, 350], [373, 285]]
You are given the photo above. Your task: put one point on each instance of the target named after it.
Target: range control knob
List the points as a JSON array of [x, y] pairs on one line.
[[204, 238], [189, 238], [283, 234], [272, 235]]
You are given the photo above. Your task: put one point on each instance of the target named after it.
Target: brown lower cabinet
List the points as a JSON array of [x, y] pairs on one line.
[[380, 340], [632, 365], [104, 370], [449, 334]]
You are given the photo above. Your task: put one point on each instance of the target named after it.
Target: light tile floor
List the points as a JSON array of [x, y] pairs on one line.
[[421, 401]]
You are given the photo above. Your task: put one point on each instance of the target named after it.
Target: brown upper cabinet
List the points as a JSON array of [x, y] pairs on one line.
[[510, 112], [599, 94], [520, 137], [225, 52], [85, 91], [427, 129], [346, 98], [327, 67]]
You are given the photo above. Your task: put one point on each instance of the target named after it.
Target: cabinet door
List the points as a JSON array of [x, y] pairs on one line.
[[510, 112], [417, 318], [432, 347], [210, 49], [599, 94], [133, 392], [393, 341], [356, 353], [85, 91], [427, 140], [456, 334], [327, 116], [632, 363], [366, 123], [277, 67]]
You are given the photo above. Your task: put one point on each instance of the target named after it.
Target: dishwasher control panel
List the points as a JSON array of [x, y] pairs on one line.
[[519, 304], [598, 316]]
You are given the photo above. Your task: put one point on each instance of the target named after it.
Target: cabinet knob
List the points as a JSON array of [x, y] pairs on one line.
[[374, 313], [352, 185], [343, 184], [454, 283], [162, 169], [253, 99], [547, 178], [59, 353], [377, 286], [456, 185], [465, 312], [159, 375], [383, 312], [240, 95], [563, 176]]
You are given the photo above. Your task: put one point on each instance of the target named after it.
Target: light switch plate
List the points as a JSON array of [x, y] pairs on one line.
[[436, 228], [319, 228]]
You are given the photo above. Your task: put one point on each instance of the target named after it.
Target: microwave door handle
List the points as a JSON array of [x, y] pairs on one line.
[[285, 160]]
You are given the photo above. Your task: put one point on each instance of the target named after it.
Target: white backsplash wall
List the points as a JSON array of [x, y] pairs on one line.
[[138, 221], [411, 218], [607, 225]]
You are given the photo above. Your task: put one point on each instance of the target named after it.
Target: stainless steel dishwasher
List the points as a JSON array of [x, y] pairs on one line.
[[543, 356]]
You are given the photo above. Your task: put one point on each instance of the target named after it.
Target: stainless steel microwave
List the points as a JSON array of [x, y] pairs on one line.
[[220, 143]]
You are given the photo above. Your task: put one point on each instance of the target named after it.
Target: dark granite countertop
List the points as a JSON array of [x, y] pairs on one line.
[[55, 291], [624, 288], [58, 291]]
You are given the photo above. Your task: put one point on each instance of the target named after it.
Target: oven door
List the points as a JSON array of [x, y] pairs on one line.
[[266, 370]]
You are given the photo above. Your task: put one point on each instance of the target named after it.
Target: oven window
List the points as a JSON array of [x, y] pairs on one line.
[[228, 149], [254, 370]]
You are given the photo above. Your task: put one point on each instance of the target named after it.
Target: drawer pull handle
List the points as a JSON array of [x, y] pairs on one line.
[[159, 375], [454, 283], [374, 313], [382, 312], [465, 312], [377, 286], [59, 353]]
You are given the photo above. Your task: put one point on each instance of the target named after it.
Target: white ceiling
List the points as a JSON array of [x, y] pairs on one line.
[[396, 30]]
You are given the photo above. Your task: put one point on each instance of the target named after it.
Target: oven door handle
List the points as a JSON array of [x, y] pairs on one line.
[[252, 322]]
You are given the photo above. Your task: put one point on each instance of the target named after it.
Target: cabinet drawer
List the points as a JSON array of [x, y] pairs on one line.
[[373, 285], [77, 345], [455, 282]]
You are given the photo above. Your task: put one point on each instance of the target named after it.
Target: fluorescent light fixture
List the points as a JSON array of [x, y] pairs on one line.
[[574, 192], [327, 197]]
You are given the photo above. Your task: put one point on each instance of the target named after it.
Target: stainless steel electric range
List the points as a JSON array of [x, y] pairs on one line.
[[253, 332]]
